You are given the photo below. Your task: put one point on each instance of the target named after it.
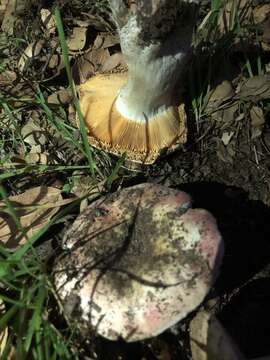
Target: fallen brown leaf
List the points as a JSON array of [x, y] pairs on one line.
[[224, 153], [7, 77], [60, 97], [32, 133], [257, 121], [260, 13], [110, 40], [266, 35], [97, 21], [226, 115], [4, 332], [32, 51], [37, 158], [89, 63], [99, 40], [34, 208], [226, 137], [257, 116], [77, 40], [56, 62], [3, 6], [255, 88], [113, 62], [13, 10], [48, 21], [220, 94]]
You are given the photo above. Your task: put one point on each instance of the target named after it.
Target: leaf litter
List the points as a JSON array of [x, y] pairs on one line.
[[234, 133], [33, 208]]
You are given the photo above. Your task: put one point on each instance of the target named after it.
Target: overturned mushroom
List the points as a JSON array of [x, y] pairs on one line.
[[137, 262], [139, 113]]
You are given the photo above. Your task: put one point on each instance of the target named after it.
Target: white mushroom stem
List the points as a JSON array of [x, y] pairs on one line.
[[155, 38]]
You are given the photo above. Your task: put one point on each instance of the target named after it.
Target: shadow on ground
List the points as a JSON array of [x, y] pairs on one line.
[[245, 227]]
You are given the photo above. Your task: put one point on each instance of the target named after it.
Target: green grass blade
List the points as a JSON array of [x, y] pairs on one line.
[[9, 314], [36, 320], [215, 5], [115, 171], [64, 47]]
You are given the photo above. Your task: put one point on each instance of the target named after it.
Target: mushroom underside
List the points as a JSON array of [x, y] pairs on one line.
[[140, 141]]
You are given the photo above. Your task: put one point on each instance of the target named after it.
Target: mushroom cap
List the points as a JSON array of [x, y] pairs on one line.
[[108, 130], [138, 261]]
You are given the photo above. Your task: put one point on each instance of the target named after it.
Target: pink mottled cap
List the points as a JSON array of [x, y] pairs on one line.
[[137, 262]]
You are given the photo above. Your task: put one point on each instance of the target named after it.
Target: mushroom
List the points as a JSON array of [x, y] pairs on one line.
[[137, 262], [139, 114]]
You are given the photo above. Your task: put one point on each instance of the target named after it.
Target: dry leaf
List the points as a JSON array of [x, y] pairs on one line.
[[226, 137], [83, 205], [97, 57], [110, 40], [3, 7], [255, 88], [210, 341], [98, 22], [48, 21], [89, 63], [113, 62], [266, 35], [106, 41], [223, 154], [7, 77], [83, 184], [55, 61], [77, 40], [32, 51], [266, 47], [3, 340], [32, 133], [256, 116], [81, 23], [23, 91], [60, 97], [260, 13], [221, 93], [13, 10], [4, 332], [37, 158], [227, 114], [34, 208], [99, 40], [255, 132]]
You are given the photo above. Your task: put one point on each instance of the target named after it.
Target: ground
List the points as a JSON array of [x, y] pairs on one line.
[[224, 166]]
